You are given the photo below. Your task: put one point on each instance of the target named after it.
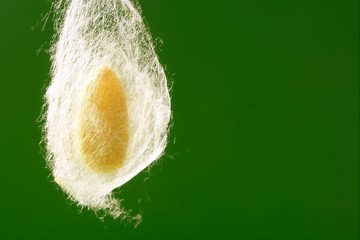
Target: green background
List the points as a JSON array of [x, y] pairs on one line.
[[265, 140]]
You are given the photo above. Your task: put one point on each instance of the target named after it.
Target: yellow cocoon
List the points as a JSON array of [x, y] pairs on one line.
[[108, 104], [104, 123]]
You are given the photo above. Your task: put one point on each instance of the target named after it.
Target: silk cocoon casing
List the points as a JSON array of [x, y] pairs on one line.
[[95, 38]]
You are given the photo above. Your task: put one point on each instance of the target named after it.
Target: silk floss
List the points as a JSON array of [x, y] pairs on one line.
[[108, 104]]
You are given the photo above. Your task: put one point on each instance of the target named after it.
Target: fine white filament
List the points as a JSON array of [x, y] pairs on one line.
[[91, 35]]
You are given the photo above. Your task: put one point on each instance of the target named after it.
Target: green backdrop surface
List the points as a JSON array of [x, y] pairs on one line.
[[265, 138]]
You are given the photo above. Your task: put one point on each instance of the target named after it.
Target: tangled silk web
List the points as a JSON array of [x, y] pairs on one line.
[[108, 104]]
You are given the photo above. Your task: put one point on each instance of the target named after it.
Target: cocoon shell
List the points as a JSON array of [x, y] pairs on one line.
[[108, 104]]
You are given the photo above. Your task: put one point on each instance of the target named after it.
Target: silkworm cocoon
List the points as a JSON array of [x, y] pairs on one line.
[[104, 123], [108, 104]]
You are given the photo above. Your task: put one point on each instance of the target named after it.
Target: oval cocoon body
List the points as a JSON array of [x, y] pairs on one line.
[[104, 123]]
